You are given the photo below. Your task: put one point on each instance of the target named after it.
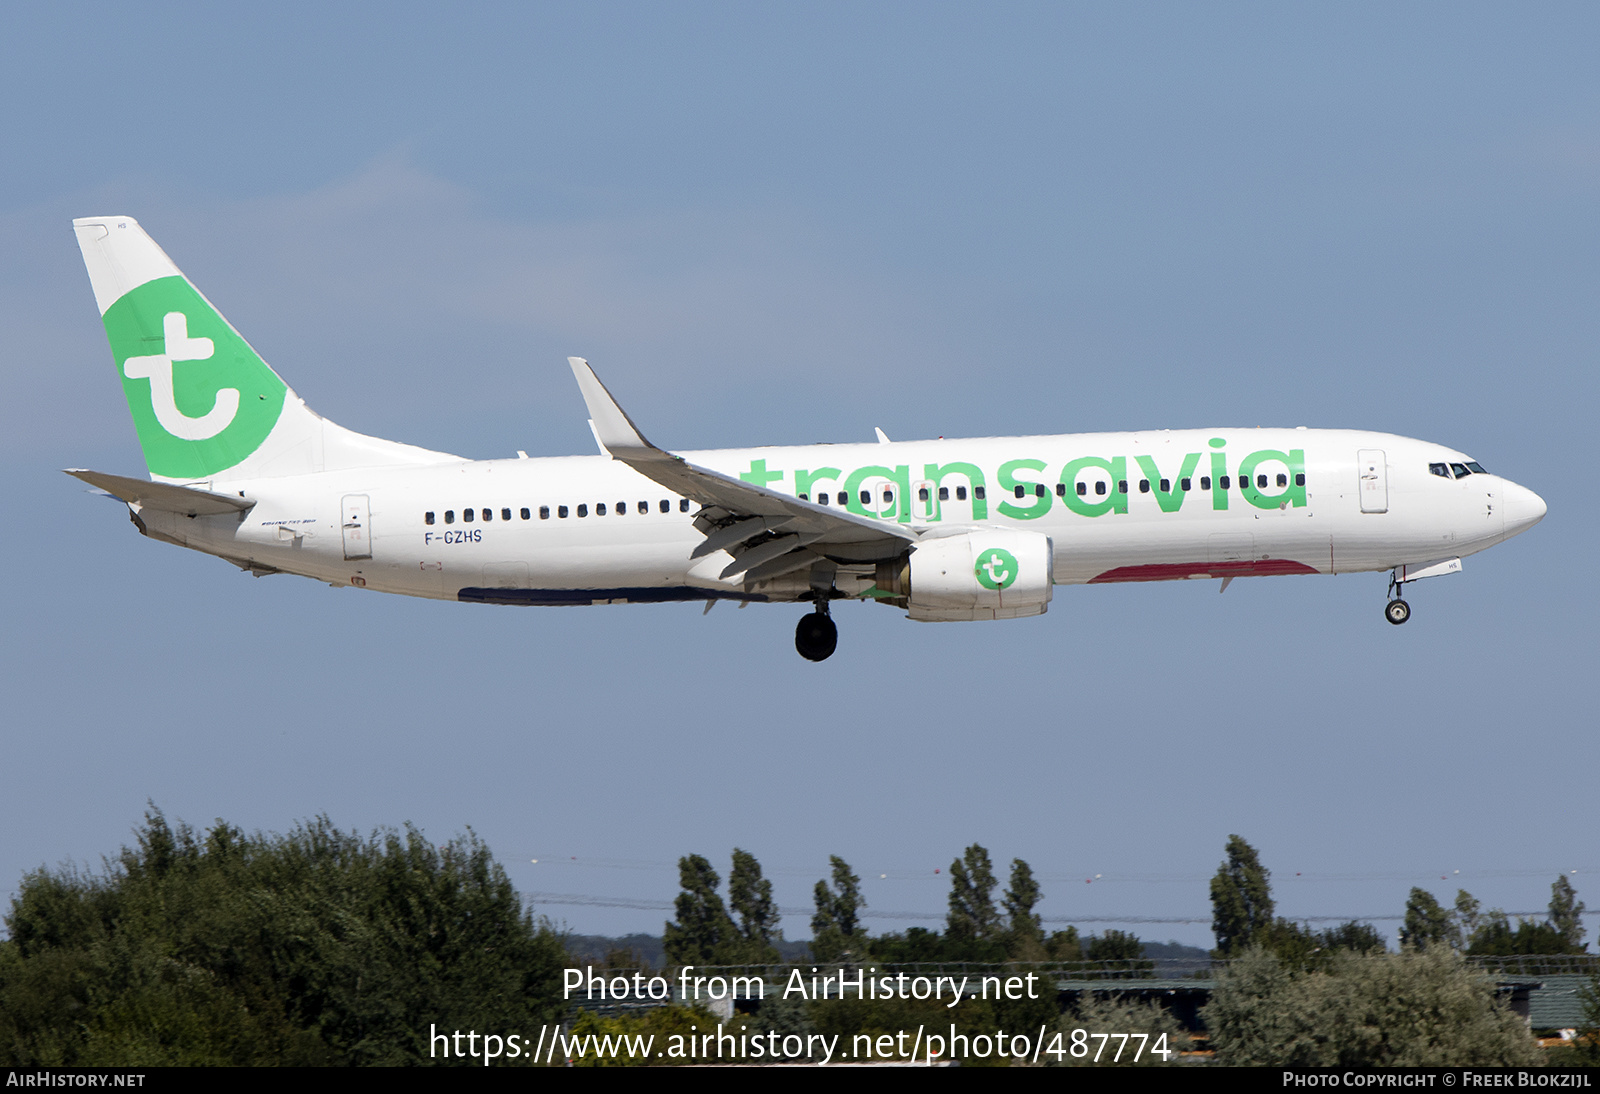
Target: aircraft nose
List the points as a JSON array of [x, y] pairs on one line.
[[1523, 508]]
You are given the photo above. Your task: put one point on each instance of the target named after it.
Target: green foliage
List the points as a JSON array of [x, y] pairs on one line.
[[705, 934], [660, 1022], [1586, 1048], [1103, 1013], [919, 944], [1467, 918], [1426, 923], [319, 947], [1024, 934], [1566, 915], [1496, 937], [702, 928], [1414, 1009], [972, 915], [836, 926], [1241, 898], [1064, 946], [750, 896]]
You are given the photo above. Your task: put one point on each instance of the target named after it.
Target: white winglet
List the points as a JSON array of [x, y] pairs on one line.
[[613, 429], [883, 438]]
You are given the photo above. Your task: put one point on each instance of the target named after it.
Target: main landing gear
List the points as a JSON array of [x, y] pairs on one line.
[[816, 637], [1397, 611]]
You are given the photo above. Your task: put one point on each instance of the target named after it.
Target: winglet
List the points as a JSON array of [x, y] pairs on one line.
[[613, 429]]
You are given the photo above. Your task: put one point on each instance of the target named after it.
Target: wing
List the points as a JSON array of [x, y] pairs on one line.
[[769, 533]]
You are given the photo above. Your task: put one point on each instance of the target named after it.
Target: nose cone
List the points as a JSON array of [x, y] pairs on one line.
[[1523, 508]]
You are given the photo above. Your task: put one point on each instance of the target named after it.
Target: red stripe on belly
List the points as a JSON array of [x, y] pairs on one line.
[[1177, 571]]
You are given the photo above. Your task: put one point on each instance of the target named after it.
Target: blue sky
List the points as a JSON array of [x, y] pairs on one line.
[[789, 224]]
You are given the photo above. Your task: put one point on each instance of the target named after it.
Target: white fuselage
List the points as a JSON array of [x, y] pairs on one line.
[[1367, 501]]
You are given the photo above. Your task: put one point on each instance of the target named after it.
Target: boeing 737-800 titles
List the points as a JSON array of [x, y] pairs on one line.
[[947, 530]]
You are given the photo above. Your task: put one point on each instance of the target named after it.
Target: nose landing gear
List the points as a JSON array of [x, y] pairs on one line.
[[816, 637], [1397, 611]]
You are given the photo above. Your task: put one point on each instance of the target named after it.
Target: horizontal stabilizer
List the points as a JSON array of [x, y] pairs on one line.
[[185, 500]]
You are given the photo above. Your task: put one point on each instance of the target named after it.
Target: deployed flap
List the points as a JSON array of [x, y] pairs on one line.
[[622, 439], [161, 495]]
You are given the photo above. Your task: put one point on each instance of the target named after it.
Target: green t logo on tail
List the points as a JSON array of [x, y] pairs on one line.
[[201, 399], [996, 569]]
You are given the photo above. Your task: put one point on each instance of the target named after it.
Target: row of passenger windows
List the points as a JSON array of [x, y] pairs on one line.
[[1225, 482], [561, 511], [1101, 487], [1462, 470]]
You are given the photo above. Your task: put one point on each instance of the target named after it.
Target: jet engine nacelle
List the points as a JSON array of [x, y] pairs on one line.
[[1002, 574]]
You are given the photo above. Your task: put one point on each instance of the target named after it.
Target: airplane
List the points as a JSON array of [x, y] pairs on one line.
[[946, 530]]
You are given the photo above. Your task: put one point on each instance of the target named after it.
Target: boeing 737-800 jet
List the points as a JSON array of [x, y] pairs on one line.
[[947, 530]]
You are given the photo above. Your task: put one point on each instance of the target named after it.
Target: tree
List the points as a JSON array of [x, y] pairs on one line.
[[972, 915], [316, 947], [1420, 1008], [1426, 923], [1354, 936], [1566, 915], [1241, 898], [835, 928], [1467, 918], [750, 896], [1496, 937], [1022, 924], [702, 928]]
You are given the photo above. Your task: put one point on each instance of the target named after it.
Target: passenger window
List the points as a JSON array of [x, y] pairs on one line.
[[1166, 486], [1261, 482], [644, 507], [1038, 490], [666, 506], [1460, 469], [1184, 484], [822, 499], [1061, 489], [922, 494], [449, 516], [888, 495], [1083, 488], [1283, 480], [1122, 486], [466, 515], [1223, 483], [1439, 469], [1100, 487], [599, 510], [1144, 486], [683, 505], [544, 512], [866, 497], [583, 510], [1020, 492], [1299, 480], [944, 493], [427, 518], [802, 497], [488, 514], [961, 493], [505, 514], [561, 511], [1205, 482]]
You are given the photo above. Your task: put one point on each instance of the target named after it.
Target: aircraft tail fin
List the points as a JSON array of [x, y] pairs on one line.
[[204, 403]]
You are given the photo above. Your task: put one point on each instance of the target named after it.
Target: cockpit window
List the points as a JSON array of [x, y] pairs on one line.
[[1476, 468], [1439, 469], [1460, 469]]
